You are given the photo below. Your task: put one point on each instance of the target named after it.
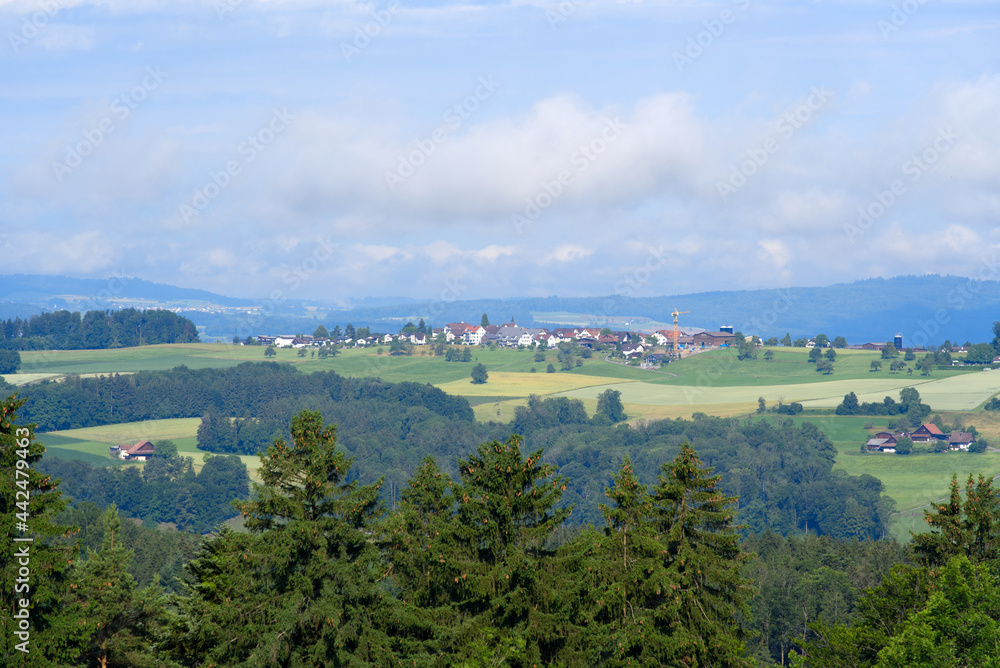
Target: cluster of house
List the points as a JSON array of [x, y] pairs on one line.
[[885, 441], [136, 451], [511, 335]]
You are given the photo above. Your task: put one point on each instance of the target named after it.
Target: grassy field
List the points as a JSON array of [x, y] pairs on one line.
[[91, 444], [913, 481], [712, 382]]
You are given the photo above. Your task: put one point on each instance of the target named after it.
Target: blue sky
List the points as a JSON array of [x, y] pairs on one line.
[[335, 150]]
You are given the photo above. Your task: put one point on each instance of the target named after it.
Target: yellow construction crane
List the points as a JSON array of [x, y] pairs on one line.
[[677, 331]]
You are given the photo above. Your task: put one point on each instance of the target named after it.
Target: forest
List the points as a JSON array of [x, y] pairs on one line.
[[71, 330], [480, 568], [782, 474]]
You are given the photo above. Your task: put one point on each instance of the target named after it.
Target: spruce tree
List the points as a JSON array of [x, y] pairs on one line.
[[29, 501], [506, 513], [702, 553], [419, 547], [302, 589], [971, 528], [626, 579], [117, 622]]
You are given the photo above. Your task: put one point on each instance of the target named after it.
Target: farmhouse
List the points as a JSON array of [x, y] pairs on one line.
[[139, 451], [712, 339], [927, 432], [887, 445], [654, 360], [960, 440]]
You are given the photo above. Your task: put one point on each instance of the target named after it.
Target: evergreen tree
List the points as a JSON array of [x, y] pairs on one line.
[[29, 501], [703, 556], [627, 580], [665, 583], [309, 557], [506, 514], [971, 528], [419, 547], [117, 622]]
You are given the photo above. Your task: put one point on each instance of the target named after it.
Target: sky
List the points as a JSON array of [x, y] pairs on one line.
[[460, 150]]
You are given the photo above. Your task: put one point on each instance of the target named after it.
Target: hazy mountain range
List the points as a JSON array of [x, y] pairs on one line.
[[924, 309]]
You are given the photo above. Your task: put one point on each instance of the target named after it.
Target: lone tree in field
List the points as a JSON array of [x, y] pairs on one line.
[[479, 374], [269, 352], [609, 405]]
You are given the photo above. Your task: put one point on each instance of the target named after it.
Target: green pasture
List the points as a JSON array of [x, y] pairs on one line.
[[19, 379], [913, 481], [716, 392], [133, 432], [91, 444], [789, 366], [142, 358], [962, 392]]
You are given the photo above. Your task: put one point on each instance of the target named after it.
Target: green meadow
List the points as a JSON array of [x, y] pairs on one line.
[[713, 382]]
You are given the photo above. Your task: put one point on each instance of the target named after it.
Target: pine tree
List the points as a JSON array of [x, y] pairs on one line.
[[703, 556], [665, 578], [302, 588], [971, 528], [419, 547], [29, 501], [506, 514], [626, 579], [118, 623]]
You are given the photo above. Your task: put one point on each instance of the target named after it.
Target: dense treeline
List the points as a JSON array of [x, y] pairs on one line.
[[909, 405], [248, 390], [783, 475], [463, 573], [159, 556], [808, 579], [459, 574], [66, 330], [167, 489]]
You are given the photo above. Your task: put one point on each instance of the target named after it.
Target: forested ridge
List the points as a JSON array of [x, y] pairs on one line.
[[782, 474], [72, 330], [477, 569]]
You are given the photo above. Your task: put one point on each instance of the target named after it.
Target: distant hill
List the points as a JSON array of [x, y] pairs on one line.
[[924, 309], [65, 291]]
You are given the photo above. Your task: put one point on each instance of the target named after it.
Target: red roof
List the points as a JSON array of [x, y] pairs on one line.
[[140, 448], [932, 429]]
